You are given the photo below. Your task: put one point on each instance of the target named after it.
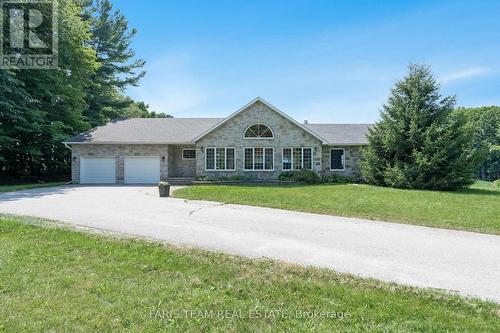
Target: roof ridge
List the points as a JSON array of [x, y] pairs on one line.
[[170, 118]]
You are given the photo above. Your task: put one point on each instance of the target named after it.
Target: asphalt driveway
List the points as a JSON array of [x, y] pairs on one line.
[[464, 262]]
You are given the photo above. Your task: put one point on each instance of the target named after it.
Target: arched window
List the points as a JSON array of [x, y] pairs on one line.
[[258, 131]]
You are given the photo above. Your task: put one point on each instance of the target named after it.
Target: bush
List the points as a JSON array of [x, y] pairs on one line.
[[302, 176], [285, 175], [337, 179], [496, 183], [221, 178]]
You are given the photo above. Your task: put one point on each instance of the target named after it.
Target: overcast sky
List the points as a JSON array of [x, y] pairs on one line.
[[325, 61]]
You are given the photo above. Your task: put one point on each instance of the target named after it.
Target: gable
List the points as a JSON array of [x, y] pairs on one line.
[[286, 132], [259, 111]]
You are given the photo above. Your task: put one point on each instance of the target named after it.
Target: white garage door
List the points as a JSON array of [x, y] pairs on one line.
[[142, 170], [97, 170]]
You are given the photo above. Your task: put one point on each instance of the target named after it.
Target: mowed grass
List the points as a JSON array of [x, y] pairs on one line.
[[473, 209], [9, 188], [54, 279]]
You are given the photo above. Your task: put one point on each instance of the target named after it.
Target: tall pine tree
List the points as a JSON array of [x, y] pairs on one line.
[[419, 142], [118, 68]]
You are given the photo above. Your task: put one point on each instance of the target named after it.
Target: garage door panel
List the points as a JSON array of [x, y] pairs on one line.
[[97, 170], [142, 170]]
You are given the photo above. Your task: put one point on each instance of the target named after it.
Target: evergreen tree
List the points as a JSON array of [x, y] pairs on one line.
[[18, 123], [419, 142], [41, 108], [111, 39]]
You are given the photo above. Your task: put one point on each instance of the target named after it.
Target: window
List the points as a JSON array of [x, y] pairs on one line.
[[230, 159], [287, 158], [337, 159], [221, 159], [210, 159], [259, 159], [307, 158], [258, 131], [248, 158], [188, 154], [297, 158], [269, 158]]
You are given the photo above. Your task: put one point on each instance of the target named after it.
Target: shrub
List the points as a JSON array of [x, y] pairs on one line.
[[221, 178], [302, 176], [496, 183], [285, 175], [337, 179]]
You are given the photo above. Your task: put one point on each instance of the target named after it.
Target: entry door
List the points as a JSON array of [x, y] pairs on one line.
[[142, 170], [97, 170]]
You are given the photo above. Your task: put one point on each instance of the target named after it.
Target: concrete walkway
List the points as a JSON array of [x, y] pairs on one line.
[[465, 262]]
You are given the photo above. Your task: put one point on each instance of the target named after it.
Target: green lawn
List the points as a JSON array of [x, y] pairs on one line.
[[54, 279], [9, 188], [473, 209]]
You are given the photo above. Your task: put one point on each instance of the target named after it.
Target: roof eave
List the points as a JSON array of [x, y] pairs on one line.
[[129, 143], [346, 144]]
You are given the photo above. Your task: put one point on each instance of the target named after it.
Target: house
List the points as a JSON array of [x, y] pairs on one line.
[[257, 141]]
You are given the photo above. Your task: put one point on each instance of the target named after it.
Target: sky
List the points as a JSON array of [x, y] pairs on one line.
[[321, 61]]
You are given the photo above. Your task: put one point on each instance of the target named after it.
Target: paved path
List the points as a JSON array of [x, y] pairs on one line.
[[461, 261]]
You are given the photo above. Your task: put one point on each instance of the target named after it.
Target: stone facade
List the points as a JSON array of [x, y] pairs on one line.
[[351, 161], [230, 134], [118, 152], [178, 166]]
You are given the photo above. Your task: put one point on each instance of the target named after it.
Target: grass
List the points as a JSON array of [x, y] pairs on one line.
[[473, 209], [9, 188], [55, 279]]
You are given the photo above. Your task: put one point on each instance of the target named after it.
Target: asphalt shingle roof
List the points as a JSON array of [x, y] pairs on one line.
[[184, 130], [341, 133], [147, 130]]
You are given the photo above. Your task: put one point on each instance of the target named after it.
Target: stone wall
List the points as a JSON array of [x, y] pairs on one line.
[[178, 166], [118, 152], [230, 134], [352, 156]]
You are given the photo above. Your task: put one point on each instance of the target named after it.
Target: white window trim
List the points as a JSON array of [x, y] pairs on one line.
[[253, 159], [215, 159], [302, 159], [343, 159], [246, 129], [186, 157]]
